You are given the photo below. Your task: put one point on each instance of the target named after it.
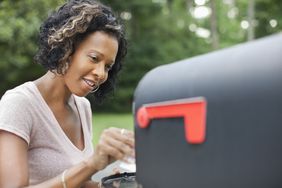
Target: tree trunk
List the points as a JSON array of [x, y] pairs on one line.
[[213, 25], [169, 5], [251, 15]]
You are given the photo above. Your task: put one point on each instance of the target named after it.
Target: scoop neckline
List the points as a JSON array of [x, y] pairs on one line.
[[58, 126]]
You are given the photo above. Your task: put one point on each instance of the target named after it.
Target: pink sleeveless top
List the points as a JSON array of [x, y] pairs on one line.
[[24, 112]]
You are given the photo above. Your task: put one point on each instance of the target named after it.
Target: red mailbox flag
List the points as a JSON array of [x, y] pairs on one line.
[[193, 111]]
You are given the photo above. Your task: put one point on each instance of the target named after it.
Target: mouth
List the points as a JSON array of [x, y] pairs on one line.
[[90, 83]]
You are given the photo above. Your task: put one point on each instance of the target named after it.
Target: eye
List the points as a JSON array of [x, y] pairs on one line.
[[94, 58], [108, 67]]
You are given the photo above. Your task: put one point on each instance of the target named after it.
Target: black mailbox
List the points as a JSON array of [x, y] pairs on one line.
[[212, 121]]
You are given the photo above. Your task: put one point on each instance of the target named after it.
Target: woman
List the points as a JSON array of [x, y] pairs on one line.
[[45, 127]]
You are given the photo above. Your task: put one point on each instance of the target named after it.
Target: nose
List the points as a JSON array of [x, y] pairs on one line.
[[99, 72]]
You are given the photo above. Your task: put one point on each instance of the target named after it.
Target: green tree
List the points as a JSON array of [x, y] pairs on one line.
[[158, 31], [269, 17], [19, 23]]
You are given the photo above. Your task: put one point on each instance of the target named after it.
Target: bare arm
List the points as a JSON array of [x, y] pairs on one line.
[[14, 164], [13, 160], [14, 168]]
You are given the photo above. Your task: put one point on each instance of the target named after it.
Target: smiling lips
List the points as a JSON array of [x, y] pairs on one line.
[[90, 82]]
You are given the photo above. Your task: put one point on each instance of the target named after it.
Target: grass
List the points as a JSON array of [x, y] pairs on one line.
[[103, 121]]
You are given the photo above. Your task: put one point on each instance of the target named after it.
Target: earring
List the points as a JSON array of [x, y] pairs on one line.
[[95, 89], [65, 67]]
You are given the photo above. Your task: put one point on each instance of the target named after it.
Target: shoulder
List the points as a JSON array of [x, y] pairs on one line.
[[17, 97], [16, 112], [17, 106]]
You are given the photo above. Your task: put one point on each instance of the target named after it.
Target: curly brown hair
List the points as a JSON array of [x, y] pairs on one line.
[[65, 28]]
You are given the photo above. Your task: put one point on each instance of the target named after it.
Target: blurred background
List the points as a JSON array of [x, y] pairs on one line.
[[158, 31]]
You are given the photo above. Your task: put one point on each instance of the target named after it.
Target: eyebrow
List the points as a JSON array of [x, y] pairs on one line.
[[101, 54]]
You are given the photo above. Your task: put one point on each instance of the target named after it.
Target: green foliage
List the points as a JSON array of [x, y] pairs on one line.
[[19, 23], [158, 32], [266, 11]]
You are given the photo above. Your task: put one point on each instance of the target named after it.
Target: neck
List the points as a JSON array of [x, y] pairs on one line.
[[53, 89]]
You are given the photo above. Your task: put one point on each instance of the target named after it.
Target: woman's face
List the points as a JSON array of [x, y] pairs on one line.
[[90, 63]]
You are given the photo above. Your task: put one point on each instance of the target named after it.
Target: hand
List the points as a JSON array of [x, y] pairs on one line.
[[114, 144]]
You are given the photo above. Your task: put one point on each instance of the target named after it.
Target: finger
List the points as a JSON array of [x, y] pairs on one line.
[[126, 149], [116, 170], [103, 148], [119, 131], [127, 132], [123, 150], [129, 138], [116, 184], [123, 135]]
